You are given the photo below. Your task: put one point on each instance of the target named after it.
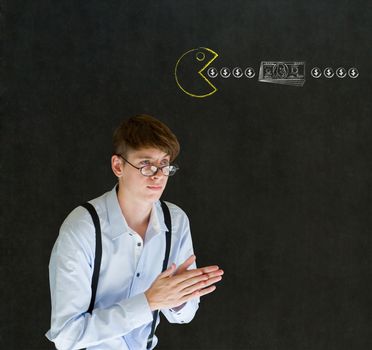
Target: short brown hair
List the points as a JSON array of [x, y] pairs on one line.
[[144, 131]]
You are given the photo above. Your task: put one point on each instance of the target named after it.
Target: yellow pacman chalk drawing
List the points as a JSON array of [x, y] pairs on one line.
[[189, 69]]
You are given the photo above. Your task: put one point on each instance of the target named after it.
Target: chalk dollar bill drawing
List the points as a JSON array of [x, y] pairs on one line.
[[282, 72]]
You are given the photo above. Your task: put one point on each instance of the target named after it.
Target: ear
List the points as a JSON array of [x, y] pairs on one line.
[[117, 166]]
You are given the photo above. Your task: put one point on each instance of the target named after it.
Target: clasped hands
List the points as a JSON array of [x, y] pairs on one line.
[[175, 286]]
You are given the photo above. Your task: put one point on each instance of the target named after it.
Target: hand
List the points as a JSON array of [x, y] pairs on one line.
[[173, 287]]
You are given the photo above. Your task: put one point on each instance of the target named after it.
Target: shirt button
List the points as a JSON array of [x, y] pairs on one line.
[[138, 274], [139, 244]]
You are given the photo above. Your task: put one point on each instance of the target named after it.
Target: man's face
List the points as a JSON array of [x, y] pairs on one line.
[[144, 188]]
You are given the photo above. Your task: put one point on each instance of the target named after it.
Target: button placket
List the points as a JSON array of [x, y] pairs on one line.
[[138, 248]]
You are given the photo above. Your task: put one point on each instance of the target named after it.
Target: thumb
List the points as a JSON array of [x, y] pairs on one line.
[[169, 271], [186, 264]]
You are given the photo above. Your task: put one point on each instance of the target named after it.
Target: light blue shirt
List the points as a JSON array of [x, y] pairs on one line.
[[121, 319]]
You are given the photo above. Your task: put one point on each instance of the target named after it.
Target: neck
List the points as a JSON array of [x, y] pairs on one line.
[[136, 213]]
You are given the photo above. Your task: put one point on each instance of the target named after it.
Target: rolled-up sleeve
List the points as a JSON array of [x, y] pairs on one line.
[[183, 315]]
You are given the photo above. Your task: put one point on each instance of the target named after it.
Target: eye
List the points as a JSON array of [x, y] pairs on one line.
[[145, 162]]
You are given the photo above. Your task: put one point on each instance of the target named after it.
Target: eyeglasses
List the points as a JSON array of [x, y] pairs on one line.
[[151, 170]]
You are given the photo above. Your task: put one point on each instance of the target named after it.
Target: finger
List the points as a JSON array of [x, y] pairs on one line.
[[193, 288], [206, 291], [212, 280], [168, 272], [197, 281], [187, 263], [215, 273], [208, 269], [198, 271], [197, 294], [185, 275], [200, 285]]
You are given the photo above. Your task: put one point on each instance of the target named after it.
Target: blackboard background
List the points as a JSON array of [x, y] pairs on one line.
[[276, 179]]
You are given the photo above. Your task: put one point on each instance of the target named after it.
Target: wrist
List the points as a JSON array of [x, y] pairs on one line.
[[149, 301]]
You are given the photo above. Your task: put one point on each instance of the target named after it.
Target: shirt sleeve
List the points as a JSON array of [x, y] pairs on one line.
[[70, 273], [186, 313]]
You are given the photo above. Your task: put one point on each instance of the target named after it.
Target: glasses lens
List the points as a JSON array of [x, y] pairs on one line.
[[171, 170], [149, 170], [165, 170]]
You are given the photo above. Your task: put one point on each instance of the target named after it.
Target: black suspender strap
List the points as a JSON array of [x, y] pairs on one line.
[[168, 235], [98, 254]]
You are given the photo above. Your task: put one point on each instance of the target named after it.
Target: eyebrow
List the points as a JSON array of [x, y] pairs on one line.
[[140, 157]]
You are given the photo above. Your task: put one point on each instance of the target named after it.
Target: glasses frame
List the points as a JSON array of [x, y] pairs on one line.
[[157, 167]]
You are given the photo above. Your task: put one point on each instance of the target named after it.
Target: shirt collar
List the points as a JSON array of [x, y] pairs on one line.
[[119, 225], [156, 222]]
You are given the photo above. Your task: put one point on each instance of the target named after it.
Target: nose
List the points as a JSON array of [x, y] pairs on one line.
[[158, 174]]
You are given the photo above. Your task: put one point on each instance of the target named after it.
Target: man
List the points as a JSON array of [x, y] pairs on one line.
[[131, 286]]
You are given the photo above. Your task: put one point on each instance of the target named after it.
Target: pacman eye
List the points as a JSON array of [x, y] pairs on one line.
[[200, 56]]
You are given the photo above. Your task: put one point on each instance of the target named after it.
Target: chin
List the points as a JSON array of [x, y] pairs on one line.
[[152, 198]]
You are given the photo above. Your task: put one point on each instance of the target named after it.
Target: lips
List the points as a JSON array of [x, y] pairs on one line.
[[155, 188]]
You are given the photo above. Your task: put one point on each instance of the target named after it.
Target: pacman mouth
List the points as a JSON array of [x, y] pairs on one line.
[[214, 56], [189, 87]]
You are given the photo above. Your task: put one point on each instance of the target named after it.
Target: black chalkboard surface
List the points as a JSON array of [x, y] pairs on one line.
[[275, 178]]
